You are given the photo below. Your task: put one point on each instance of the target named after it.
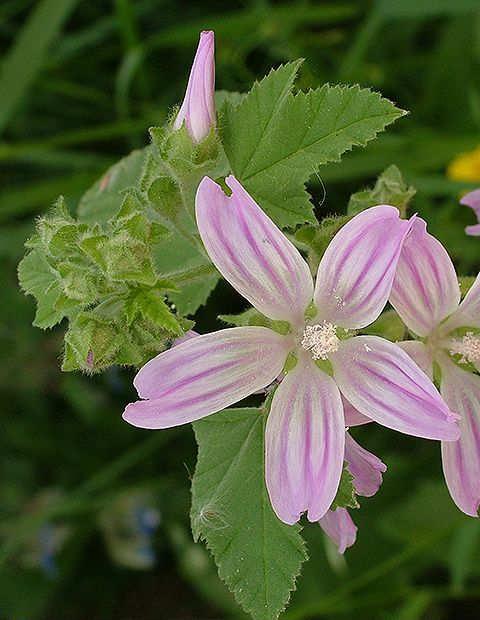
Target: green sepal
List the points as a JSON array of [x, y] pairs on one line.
[[389, 189], [315, 239], [254, 317], [290, 362], [388, 325], [325, 366], [466, 283], [311, 311]]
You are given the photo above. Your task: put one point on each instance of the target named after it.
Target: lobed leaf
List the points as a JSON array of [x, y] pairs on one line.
[[275, 140]]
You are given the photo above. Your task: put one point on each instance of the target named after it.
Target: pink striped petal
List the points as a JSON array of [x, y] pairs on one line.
[[425, 290], [252, 253], [472, 200], [468, 312], [356, 272], [305, 439], [198, 107], [352, 416], [419, 354], [340, 528], [206, 374], [365, 467], [383, 383], [461, 459]]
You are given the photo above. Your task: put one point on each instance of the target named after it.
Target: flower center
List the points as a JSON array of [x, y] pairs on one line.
[[320, 339], [468, 347]]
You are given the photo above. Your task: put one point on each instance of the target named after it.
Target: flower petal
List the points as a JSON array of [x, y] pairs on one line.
[[352, 416], [305, 439], [461, 459], [365, 467], [340, 528], [468, 312], [206, 374], [425, 290], [252, 253], [356, 272], [472, 200], [419, 354], [198, 107], [383, 383]]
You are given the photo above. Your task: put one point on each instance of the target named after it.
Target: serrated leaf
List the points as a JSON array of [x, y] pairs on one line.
[[306, 129], [389, 189], [258, 556], [151, 305], [39, 279]]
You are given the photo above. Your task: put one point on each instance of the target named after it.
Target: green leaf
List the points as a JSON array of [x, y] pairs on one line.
[[150, 304], [39, 279], [307, 129], [390, 189], [90, 344], [345, 497], [258, 556]]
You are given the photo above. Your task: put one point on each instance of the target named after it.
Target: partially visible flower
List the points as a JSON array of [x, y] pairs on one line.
[[305, 432], [367, 470], [42, 548], [472, 200], [465, 167], [129, 524], [426, 295], [198, 107]]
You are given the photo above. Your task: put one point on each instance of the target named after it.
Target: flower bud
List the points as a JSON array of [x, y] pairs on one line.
[[198, 107]]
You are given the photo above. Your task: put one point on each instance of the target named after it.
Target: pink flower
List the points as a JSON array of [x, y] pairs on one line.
[[305, 431], [198, 107], [472, 200], [426, 295], [367, 470]]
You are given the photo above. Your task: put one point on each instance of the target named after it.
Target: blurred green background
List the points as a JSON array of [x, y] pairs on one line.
[[93, 512]]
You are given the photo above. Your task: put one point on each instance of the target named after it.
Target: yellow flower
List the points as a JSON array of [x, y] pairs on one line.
[[465, 167]]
